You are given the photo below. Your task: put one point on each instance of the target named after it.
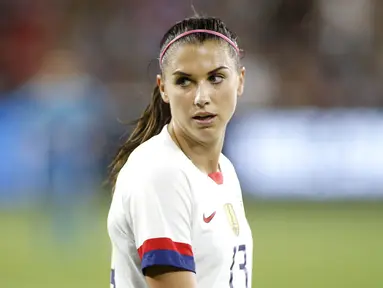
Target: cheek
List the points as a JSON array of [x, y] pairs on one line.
[[232, 104], [228, 100], [180, 102]]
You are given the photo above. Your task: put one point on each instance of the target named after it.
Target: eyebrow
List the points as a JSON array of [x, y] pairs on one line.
[[180, 73]]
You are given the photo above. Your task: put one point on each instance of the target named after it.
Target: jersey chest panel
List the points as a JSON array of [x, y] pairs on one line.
[[221, 233]]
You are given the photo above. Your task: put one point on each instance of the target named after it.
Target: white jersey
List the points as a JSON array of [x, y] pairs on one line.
[[165, 211]]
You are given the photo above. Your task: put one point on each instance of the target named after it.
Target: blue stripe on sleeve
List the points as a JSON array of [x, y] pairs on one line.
[[168, 258]]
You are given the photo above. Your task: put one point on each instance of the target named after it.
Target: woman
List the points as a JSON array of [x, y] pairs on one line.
[[177, 217]]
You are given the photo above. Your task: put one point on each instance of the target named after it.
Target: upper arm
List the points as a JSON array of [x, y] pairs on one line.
[[169, 277], [159, 213]]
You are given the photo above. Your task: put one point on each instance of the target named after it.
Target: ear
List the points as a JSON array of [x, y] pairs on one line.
[[241, 82], [161, 86]]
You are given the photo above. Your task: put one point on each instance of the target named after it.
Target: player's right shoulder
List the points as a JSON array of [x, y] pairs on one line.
[[152, 164], [156, 150], [153, 158]]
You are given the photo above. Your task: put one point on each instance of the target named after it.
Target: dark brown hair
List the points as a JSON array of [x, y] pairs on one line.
[[158, 113]]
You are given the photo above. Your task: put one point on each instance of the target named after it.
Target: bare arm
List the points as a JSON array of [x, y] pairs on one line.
[[169, 277]]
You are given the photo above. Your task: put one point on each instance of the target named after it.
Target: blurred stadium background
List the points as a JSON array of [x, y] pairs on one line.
[[307, 139]]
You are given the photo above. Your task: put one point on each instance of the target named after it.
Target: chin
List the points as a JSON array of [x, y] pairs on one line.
[[208, 134]]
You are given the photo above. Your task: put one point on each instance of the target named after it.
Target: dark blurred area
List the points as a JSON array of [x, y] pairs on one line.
[[73, 72], [70, 69]]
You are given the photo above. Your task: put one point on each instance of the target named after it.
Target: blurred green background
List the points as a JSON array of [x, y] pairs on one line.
[[297, 244]]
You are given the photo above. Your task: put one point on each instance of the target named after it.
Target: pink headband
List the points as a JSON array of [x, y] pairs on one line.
[[227, 39]]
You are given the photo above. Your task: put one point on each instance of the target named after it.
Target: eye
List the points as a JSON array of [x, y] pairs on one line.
[[216, 79], [183, 81]]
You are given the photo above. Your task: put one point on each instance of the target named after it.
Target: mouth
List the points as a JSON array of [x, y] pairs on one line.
[[204, 118]]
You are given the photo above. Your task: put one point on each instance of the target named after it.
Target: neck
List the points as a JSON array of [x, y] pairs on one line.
[[203, 155]]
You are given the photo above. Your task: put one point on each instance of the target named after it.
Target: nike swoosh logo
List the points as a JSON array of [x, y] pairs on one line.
[[208, 219]]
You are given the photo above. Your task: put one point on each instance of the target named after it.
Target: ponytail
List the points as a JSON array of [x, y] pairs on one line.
[[155, 117]]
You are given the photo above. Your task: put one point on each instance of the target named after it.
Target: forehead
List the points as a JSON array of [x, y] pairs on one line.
[[198, 58]]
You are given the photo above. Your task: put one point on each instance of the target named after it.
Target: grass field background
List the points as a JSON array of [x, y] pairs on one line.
[[300, 245]]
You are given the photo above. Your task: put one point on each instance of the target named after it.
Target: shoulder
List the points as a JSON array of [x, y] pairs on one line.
[[227, 164], [156, 153], [229, 170], [154, 167]]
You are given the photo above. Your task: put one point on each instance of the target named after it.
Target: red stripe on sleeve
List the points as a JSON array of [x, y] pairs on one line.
[[164, 244]]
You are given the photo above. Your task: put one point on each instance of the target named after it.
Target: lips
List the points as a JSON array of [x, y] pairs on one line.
[[204, 118]]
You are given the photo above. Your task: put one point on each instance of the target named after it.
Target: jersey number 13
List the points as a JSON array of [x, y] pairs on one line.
[[241, 249]]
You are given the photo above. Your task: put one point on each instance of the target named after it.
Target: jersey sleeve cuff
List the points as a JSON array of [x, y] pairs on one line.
[[168, 258], [163, 251]]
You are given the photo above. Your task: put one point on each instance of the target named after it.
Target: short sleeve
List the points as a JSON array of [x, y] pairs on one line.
[[159, 210]]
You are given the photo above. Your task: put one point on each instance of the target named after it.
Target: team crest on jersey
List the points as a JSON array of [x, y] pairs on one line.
[[232, 218]]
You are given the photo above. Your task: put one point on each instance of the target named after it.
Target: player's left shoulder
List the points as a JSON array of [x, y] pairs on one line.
[[227, 166], [230, 175], [225, 161]]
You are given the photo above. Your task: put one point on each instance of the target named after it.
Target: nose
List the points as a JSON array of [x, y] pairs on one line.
[[202, 97]]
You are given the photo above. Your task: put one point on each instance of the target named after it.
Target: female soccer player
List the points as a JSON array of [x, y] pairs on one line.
[[177, 217]]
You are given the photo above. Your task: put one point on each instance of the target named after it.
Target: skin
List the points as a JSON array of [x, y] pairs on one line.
[[197, 78], [169, 277], [213, 84]]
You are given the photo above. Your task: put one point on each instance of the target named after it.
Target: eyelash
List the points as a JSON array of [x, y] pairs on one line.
[[216, 76], [180, 81]]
